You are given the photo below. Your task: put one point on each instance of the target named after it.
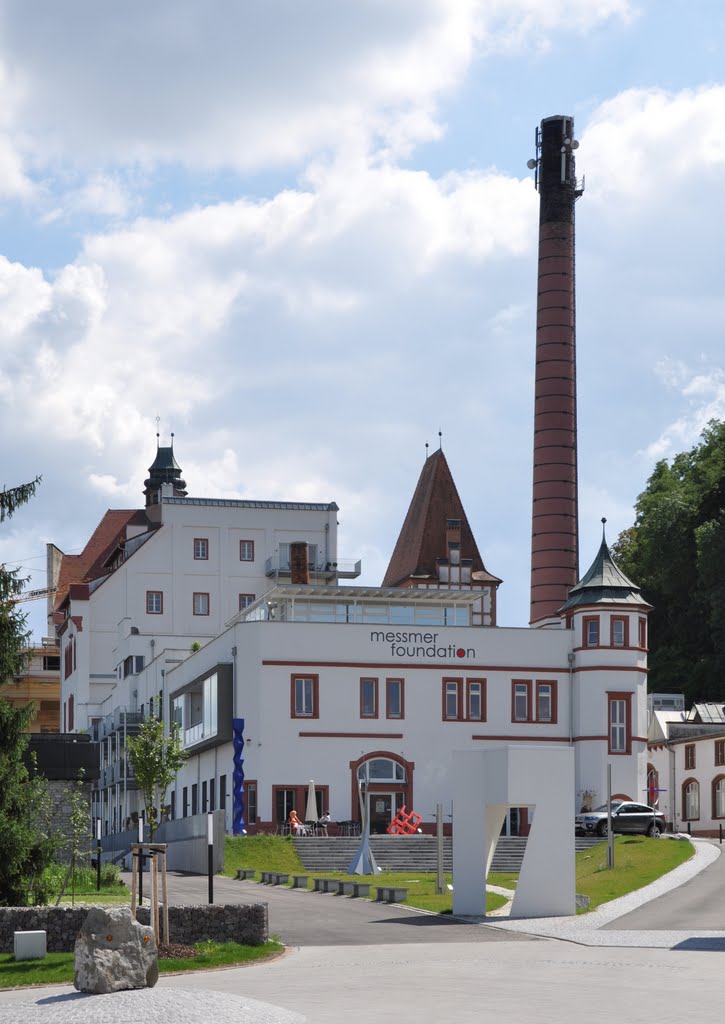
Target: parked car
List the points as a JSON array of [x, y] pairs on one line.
[[626, 817]]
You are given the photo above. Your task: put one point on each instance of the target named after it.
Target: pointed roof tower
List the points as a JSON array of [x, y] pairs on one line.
[[603, 583], [164, 470], [436, 546]]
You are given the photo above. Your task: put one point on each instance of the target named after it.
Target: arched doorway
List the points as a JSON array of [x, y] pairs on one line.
[[387, 784]]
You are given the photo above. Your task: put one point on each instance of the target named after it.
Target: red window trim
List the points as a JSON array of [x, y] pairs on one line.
[[246, 541], [719, 758], [459, 687], [527, 684], [625, 620], [482, 681], [554, 701], [201, 540], [300, 791], [161, 595], [685, 784], [690, 757], [713, 787], [626, 696], [395, 679], [200, 593], [374, 681], [246, 605], [315, 696], [642, 632], [585, 632]]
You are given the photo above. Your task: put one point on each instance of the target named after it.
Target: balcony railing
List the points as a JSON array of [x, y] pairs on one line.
[[346, 569]]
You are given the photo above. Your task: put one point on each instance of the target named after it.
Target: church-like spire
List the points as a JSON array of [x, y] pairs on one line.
[[164, 470], [436, 544], [603, 583]]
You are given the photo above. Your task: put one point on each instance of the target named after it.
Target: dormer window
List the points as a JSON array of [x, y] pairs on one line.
[[454, 554]]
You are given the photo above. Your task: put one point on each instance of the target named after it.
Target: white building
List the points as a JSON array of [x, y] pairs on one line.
[[686, 768]]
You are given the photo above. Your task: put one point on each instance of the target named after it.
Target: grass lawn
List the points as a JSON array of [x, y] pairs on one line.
[[637, 862], [57, 968]]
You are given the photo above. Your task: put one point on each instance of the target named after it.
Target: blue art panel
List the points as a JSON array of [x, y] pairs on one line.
[[238, 823]]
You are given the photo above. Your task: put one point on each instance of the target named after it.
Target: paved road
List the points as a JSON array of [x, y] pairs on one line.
[[301, 918], [698, 905]]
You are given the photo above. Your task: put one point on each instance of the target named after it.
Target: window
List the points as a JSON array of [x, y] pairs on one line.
[[212, 794], [620, 632], [691, 800], [545, 701], [521, 700], [368, 698], [203, 797], [185, 800], [591, 631], [394, 698], [689, 757], [718, 797], [222, 792], [452, 699], [476, 700], [246, 550], [719, 751], [172, 805], [245, 600], [201, 604], [250, 803], [51, 663], [620, 730], [154, 602], [195, 798], [201, 548], [304, 698], [643, 633]]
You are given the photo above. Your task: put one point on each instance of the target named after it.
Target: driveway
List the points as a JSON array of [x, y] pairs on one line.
[[697, 905], [301, 918]]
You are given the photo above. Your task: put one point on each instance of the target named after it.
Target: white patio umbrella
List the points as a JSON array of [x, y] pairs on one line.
[[311, 809]]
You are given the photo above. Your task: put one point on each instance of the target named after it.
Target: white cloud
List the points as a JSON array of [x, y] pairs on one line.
[[644, 142], [239, 85], [704, 392]]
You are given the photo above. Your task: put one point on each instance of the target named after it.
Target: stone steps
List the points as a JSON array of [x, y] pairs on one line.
[[407, 853]]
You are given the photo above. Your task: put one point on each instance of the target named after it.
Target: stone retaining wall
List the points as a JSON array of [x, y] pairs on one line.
[[247, 924]]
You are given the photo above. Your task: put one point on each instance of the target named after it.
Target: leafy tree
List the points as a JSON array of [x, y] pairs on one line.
[[28, 843], [676, 553], [79, 832], [156, 760]]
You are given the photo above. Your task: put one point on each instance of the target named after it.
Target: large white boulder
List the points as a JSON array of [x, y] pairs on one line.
[[113, 952]]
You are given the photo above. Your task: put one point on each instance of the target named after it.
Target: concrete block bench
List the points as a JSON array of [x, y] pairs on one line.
[[325, 885], [30, 945], [279, 879], [244, 873], [355, 889], [391, 894], [299, 881]]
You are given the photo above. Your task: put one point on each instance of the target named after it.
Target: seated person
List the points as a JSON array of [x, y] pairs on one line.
[[324, 822], [295, 824]]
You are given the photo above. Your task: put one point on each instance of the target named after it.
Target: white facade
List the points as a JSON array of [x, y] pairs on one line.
[[179, 583], [687, 770], [315, 697]]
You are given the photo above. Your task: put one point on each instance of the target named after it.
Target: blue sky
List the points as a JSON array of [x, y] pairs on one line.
[[304, 235]]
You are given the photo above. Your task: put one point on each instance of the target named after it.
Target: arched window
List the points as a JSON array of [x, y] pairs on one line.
[[718, 797], [381, 769], [690, 800]]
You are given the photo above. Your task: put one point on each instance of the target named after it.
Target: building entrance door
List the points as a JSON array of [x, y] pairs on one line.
[[382, 808]]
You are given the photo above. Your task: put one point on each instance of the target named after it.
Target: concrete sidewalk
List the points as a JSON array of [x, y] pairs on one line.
[[540, 980]]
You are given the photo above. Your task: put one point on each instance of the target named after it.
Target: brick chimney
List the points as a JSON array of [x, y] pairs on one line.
[[554, 521], [299, 562]]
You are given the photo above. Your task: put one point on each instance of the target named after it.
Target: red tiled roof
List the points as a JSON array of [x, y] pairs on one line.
[[88, 565], [423, 537]]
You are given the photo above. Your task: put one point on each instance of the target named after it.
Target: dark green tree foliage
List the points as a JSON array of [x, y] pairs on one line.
[[26, 842], [676, 553]]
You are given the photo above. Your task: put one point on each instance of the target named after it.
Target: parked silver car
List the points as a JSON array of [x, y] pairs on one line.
[[626, 817]]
